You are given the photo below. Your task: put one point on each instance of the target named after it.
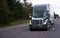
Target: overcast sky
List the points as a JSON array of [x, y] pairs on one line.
[[54, 3]]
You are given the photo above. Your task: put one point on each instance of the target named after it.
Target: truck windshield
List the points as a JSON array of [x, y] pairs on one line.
[[38, 14]]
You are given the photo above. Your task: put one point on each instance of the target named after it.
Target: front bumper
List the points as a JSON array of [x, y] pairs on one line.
[[42, 26]]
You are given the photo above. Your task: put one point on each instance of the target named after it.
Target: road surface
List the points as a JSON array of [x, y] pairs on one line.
[[22, 31]]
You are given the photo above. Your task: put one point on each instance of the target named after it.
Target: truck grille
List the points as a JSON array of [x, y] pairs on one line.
[[36, 22]]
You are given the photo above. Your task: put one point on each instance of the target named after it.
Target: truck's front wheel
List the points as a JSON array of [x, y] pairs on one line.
[[46, 28], [31, 29]]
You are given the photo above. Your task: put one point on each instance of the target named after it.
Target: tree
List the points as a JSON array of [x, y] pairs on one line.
[[24, 1], [4, 12], [9, 11], [27, 8], [16, 8]]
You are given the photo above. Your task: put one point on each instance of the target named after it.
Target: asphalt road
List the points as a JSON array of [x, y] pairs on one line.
[[22, 31]]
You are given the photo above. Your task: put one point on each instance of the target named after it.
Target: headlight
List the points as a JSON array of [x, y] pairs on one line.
[[44, 23]]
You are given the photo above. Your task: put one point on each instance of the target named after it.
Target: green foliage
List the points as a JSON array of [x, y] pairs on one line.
[[16, 8], [4, 12], [10, 10]]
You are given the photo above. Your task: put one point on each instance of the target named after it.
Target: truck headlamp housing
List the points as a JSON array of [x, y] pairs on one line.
[[44, 23]]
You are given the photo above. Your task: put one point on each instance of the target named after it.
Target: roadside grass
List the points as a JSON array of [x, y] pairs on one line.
[[16, 22]]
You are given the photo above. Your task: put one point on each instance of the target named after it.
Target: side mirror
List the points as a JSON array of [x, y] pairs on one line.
[[29, 17]]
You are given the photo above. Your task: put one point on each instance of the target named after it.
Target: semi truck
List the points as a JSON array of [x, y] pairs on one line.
[[42, 16]]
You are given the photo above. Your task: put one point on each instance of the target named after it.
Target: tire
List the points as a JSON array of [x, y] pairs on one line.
[[46, 28], [52, 23], [31, 29]]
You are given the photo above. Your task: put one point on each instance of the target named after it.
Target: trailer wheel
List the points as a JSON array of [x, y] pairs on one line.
[[52, 22]]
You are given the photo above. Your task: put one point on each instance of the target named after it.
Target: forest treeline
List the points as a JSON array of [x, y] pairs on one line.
[[11, 10]]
